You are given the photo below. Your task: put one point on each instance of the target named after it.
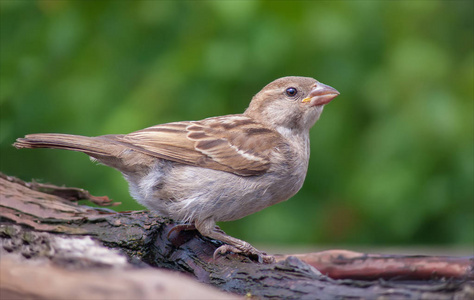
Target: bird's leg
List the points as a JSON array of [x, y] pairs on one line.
[[232, 244]]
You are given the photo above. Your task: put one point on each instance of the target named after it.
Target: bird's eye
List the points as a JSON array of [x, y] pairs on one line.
[[291, 92]]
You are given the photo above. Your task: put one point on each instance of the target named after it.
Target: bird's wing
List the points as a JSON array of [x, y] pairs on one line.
[[232, 143]]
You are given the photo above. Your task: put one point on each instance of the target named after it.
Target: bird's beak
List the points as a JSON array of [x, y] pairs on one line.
[[321, 94]]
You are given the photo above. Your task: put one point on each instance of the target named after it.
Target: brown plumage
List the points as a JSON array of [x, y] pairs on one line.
[[217, 169]]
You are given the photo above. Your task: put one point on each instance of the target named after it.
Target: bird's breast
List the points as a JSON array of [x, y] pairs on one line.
[[289, 167]]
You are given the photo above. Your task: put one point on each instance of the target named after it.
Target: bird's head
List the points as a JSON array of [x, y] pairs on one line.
[[291, 103]]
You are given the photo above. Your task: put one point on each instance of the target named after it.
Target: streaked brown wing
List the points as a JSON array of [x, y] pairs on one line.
[[233, 143]]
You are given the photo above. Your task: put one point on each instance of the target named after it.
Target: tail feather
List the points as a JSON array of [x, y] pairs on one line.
[[89, 145]]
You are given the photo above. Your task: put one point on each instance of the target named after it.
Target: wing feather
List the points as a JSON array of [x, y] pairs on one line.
[[233, 143]]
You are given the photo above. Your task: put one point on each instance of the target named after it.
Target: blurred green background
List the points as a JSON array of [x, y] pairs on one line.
[[392, 157]]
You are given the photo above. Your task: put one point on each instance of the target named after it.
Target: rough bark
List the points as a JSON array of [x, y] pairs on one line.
[[46, 234]]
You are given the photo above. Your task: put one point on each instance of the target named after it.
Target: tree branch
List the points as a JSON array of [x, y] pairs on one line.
[[43, 227]]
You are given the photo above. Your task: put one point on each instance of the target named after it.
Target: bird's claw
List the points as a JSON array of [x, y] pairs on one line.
[[261, 256]]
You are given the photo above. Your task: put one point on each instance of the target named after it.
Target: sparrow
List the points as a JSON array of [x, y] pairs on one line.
[[216, 169]]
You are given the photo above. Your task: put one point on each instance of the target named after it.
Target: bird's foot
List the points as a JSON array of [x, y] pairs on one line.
[[233, 245], [186, 227], [181, 227], [246, 250]]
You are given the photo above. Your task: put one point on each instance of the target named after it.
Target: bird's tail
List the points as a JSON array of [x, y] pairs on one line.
[[93, 146], [107, 149]]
